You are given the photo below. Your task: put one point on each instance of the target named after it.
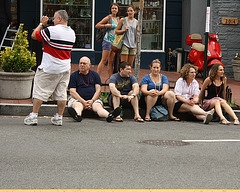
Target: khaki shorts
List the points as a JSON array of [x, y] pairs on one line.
[[128, 51], [46, 84], [71, 101]]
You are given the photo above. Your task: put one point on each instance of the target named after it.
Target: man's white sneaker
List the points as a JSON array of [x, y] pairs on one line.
[[56, 121], [30, 120]]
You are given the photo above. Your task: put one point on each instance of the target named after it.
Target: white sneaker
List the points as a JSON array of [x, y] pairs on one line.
[[209, 116], [30, 120], [56, 121]]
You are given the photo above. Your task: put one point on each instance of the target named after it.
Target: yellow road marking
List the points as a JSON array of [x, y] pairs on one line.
[[118, 190]]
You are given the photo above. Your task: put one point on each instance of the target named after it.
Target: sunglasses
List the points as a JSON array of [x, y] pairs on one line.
[[156, 61]]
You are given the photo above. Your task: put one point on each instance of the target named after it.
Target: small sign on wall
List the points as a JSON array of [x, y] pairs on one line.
[[229, 21]]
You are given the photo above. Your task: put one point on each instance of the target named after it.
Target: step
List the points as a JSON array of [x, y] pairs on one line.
[[9, 109]]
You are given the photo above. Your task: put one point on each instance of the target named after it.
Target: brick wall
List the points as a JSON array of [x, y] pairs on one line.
[[229, 35]]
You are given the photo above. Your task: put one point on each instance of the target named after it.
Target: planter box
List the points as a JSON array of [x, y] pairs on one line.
[[236, 69], [16, 85]]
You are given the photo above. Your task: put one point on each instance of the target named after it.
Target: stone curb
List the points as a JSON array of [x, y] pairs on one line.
[[50, 109]]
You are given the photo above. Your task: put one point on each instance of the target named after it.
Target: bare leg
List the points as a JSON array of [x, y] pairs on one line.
[[78, 107], [216, 104], [169, 100], [105, 56], [150, 102], [36, 105], [61, 107], [194, 109], [124, 58], [110, 63], [98, 108], [131, 59], [228, 109]]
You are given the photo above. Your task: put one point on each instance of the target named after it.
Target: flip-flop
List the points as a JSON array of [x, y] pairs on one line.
[[236, 122], [139, 119], [113, 114], [225, 122], [148, 119], [174, 119], [118, 119]]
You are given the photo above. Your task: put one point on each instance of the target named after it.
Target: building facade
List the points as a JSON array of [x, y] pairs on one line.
[[161, 22], [194, 19]]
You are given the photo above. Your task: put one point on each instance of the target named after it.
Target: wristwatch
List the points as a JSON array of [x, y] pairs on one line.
[[41, 24], [133, 95]]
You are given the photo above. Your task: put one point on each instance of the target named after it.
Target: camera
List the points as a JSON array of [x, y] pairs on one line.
[[50, 21]]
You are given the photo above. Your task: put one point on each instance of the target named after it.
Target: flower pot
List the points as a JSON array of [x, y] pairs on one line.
[[236, 69], [16, 85]]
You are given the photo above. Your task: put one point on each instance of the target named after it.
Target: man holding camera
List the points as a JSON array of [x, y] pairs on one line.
[[52, 76]]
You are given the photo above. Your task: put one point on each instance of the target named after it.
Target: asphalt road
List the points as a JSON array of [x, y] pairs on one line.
[[95, 154]]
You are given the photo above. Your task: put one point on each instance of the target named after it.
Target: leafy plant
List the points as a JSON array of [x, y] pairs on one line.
[[19, 59]]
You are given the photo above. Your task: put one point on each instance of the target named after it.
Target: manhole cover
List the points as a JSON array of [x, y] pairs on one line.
[[165, 142]]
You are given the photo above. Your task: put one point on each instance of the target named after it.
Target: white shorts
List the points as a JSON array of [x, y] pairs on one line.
[[71, 101], [46, 84]]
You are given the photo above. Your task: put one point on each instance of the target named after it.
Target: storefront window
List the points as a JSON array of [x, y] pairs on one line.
[[153, 22], [80, 18]]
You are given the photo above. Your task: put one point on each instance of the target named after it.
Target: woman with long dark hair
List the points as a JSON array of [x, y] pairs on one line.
[[215, 85], [110, 22]]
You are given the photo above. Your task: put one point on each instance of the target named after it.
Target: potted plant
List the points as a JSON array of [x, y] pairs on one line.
[[16, 75], [236, 67]]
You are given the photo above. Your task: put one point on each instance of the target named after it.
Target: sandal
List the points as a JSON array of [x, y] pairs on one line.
[[236, 122], [113, 114], [174, 119], [148, 119], [138, 119], [119, 119], [224, 122]]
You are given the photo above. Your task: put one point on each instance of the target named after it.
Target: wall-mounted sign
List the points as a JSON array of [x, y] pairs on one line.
[[229, 21]]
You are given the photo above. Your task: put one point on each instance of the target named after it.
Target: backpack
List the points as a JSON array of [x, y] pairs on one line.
[[159, 112]]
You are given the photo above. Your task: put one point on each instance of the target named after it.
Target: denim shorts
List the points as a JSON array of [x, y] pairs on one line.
[[106, 45]]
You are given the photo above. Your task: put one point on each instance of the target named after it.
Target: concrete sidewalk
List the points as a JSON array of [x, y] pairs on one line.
[[24, 107]]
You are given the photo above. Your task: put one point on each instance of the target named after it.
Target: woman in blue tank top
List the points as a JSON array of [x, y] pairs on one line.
[[110, 22], [215, 85]]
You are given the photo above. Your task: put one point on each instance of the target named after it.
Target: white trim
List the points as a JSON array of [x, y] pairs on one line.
[[212, 141]]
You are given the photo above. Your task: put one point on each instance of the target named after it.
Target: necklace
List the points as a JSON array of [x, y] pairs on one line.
[[217, 93], [88, 78], [157, 84]]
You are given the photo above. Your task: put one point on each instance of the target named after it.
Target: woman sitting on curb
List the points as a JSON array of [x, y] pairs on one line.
[[154, 88], [187, 91], [215, 85]]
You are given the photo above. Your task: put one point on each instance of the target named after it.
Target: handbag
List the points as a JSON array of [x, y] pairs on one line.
[[118, 42], [101, 32], [159, 112]]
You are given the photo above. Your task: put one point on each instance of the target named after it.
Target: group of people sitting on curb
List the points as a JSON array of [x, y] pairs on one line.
[[52, 79], [85, 89]]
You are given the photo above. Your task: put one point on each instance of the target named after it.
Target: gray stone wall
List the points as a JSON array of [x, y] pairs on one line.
[[229, 35]]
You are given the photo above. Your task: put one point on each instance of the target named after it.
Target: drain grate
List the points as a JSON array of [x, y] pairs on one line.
[[164, 142]]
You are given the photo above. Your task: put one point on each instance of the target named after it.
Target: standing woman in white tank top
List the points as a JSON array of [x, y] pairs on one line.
[[129, 26], [110, 22]]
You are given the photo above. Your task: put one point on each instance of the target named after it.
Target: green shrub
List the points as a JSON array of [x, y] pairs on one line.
[[19, 59]]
